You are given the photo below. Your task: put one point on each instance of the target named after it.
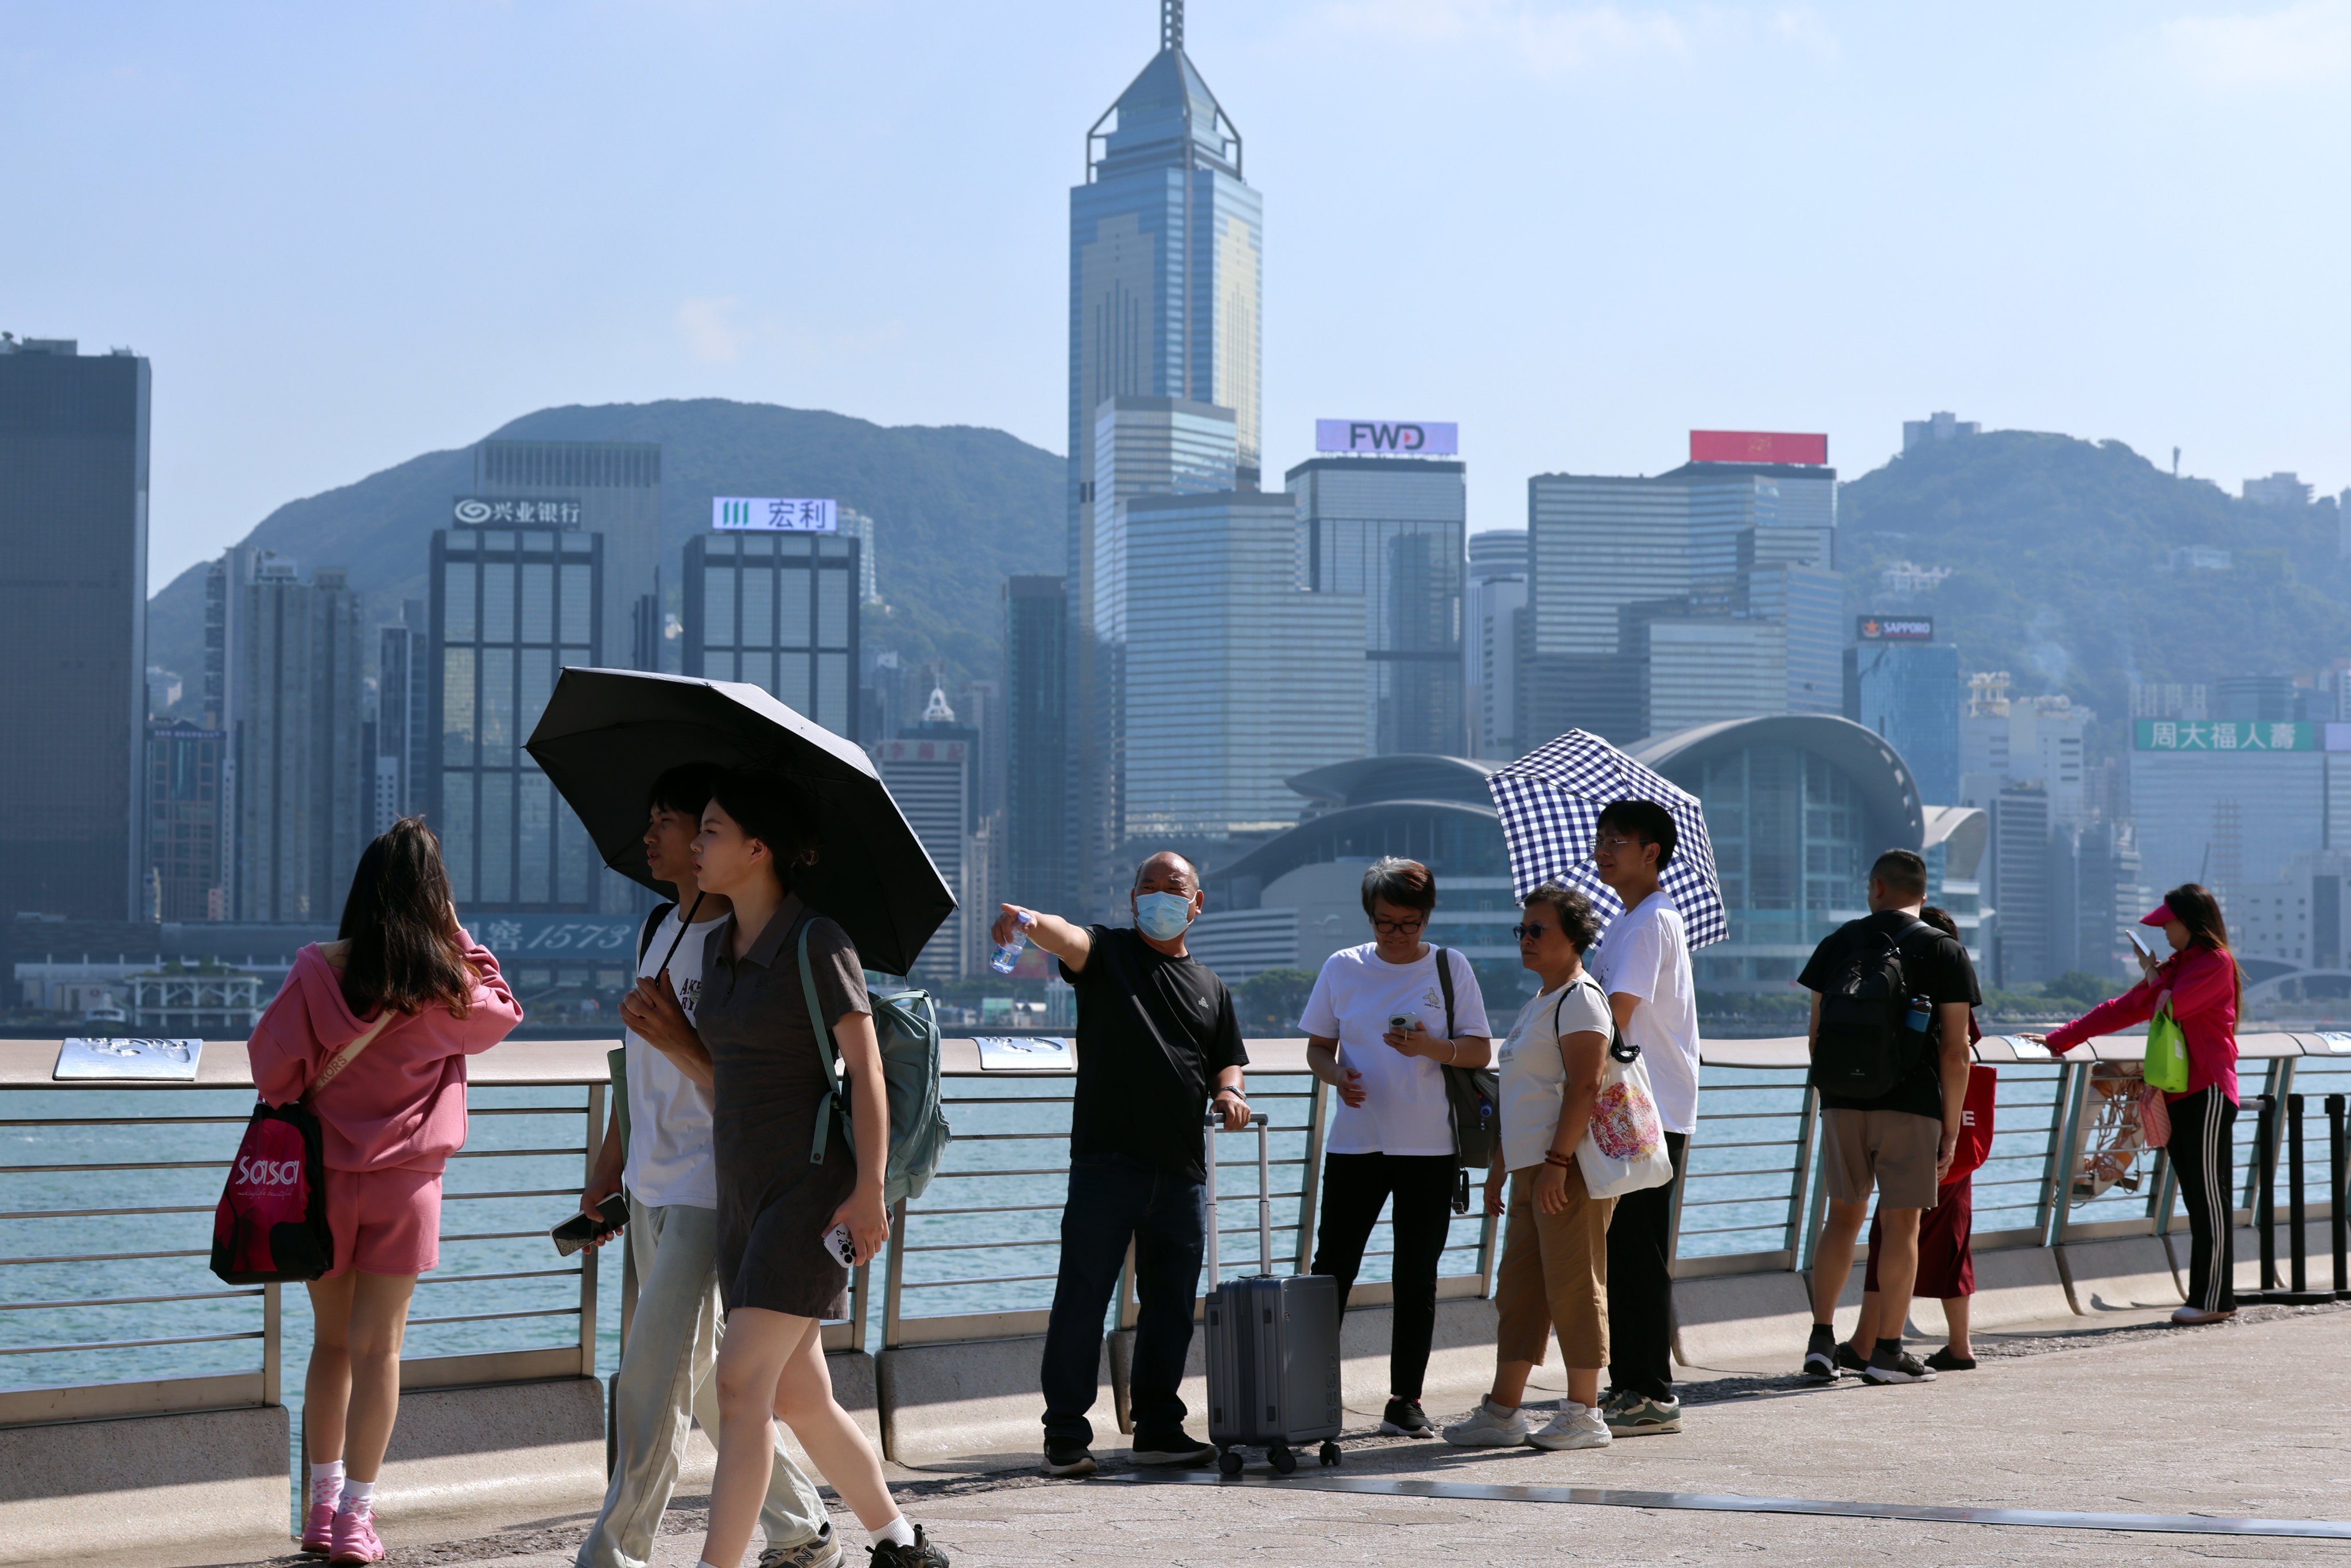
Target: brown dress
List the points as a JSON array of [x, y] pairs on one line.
[[774, 1206]]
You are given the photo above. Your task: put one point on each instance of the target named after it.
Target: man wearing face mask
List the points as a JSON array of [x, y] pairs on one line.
[[1158, 1043]]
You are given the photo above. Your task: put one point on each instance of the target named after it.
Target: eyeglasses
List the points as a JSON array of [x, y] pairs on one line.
[[1396, 927], [1529, 932], [1613, 841]]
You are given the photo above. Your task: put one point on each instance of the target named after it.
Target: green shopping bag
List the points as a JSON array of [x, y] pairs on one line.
[[2167, 1053]]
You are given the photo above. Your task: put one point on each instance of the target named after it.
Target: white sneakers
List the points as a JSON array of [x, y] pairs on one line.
[[1492, 1426], [1575, 1427], [1489, 1426]]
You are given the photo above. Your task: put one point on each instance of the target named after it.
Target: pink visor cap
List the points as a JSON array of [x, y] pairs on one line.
[[2159, 915]]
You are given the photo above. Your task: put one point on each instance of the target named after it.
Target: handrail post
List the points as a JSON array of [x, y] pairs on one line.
[[1799, 1178], [2298, 1265], [594, 1144], [2265, 1199], [893, 1277], [2064, 1152], [1309, 1185], [2338, 1224]]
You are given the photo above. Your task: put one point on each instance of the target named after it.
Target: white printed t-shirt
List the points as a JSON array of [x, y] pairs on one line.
[[670, 1155], [1403, 1110], [1534, 1074], [1645, 954]]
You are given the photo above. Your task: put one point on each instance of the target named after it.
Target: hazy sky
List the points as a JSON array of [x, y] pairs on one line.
[[346, 235]]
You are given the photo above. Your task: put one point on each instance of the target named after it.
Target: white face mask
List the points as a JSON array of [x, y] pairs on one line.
[[1162, 915]]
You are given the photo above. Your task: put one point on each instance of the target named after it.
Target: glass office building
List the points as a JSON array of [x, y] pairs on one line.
[[1036, 749], [1393, 530], [779, 612], [1909, 693], [511, 607]]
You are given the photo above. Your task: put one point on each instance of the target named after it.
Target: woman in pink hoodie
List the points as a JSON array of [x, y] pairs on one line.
[[2204, 989], [392, 1118]]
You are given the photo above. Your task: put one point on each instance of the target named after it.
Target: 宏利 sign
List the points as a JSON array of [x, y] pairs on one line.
[[488, 512], [1894, 629], [1397, 437], [772, 515]]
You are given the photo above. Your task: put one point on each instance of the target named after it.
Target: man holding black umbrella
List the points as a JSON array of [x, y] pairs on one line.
[[1155, 1030]]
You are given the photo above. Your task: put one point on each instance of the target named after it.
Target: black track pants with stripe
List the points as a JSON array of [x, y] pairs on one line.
[[2199, 1154]]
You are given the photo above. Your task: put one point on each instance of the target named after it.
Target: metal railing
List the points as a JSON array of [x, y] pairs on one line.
[[107, 1307]]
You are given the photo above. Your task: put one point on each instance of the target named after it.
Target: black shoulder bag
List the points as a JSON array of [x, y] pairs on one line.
[[1472, 1097]]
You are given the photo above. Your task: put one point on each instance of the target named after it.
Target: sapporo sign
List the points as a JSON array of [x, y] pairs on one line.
[[2227, 735]]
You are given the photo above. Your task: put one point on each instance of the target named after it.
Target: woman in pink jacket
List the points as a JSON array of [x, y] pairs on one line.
[[391, 1119], [2201, 982]]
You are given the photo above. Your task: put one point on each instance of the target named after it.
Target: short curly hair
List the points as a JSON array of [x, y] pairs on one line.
[[1577, 919]]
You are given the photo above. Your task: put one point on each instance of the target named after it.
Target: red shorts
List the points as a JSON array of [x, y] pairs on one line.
[[1946, 1264], [384, 1222]]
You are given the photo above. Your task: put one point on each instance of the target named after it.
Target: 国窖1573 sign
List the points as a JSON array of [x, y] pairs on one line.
[[1388, 437], [773, 515], [2232, 735]]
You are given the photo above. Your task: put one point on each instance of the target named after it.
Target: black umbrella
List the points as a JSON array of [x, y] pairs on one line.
[[608, 734]]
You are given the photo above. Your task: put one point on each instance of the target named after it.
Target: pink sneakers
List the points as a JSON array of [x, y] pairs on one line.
[[354, 1538], [318, 1531]]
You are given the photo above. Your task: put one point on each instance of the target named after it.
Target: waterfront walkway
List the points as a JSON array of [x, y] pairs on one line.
[[2241, 1420]]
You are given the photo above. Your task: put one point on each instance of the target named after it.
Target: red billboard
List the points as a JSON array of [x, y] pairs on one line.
[[1757, 446]]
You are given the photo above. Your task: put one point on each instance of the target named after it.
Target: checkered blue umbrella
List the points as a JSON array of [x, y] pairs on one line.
[[1549, 802]]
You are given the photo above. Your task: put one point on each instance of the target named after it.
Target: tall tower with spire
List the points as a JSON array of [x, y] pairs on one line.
[[1166, 245]]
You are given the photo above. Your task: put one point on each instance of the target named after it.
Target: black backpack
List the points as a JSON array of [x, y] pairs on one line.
[[1865, 1045]]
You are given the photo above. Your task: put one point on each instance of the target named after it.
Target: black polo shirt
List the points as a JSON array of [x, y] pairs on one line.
[[1153, 1033]]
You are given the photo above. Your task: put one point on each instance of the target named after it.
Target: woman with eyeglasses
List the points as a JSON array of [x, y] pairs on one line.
[[1384, 1022]]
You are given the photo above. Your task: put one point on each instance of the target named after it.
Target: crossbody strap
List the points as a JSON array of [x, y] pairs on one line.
[[1445, 983], [349, 1054], [837, 1088]]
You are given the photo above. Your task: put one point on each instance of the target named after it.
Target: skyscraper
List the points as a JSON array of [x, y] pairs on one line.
[[1036, 749], [1909, 693], [403, 713], [931, 781], [73, 629], [1498, 602], [1393, 530], [1166, 248], [304, 799], [183, 820], [611, 488], [779, 611]]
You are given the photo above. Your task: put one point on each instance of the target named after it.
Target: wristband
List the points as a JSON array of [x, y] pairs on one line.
[[1553, 1157], [1452, 1052]]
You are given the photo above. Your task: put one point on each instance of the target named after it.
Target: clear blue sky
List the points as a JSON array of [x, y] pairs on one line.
[[346, 235]]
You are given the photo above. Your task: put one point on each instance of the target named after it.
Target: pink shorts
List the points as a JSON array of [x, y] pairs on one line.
[[384, 1222]]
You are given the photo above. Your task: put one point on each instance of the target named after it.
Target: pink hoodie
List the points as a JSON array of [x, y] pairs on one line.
[[401, 1105]]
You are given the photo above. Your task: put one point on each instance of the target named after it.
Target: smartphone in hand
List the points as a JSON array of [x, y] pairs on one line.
[[583, 1228], [2146, 948]]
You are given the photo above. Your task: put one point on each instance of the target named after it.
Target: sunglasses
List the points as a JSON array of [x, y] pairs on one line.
[[1529, 932]]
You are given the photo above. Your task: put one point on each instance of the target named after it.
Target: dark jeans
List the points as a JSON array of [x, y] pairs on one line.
[[1115, 1198], [1640, 1284], [2200, 1154], [1355, 1189]]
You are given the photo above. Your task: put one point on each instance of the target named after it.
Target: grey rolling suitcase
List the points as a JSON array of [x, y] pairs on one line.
[[1272, 1346]]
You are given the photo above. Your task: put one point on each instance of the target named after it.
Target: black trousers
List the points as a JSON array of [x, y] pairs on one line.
[[1640, 1284], [2200, 1150], [1355, 1189]]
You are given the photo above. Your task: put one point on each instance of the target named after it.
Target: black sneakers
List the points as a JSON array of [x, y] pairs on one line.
[[898, 1554], [1405, 1418], [1892, 1363], [1819, 1354], [1172, 1446], [1069, 1461], [1849, 1359], [1944, 1361]]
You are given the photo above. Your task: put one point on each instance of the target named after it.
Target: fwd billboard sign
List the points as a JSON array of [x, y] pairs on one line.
[[1388, 437]]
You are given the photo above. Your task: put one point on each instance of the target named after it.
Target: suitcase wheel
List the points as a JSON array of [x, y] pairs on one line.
[[1330, 1452], [1229, 1461], [1281, 1459]]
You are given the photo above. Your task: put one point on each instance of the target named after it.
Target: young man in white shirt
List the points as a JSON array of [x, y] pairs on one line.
[[1643, 965], [672, 1193]]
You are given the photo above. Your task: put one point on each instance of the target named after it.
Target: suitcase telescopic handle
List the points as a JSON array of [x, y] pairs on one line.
[[1264, 1195]]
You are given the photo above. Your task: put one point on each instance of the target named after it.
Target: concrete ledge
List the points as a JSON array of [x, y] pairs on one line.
[[2318, 1254], [532, 1447], [2128, 1274], [1740, 1321], [171, 1485], [2014, 1285], [979, 1397]]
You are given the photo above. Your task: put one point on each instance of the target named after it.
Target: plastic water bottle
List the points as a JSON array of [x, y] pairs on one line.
[[1007, 954]]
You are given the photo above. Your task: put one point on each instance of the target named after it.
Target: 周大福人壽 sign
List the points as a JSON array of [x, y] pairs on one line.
[[773, 515], [1388, 437]]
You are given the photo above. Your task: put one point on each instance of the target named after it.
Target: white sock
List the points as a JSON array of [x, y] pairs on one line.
[[897, 1531], [358, 1497], [327, 1481]]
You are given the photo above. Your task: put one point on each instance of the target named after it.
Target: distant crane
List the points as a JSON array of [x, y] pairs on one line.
[[2175, 462]]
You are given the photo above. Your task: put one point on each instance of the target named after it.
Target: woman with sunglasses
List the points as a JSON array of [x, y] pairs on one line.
[[1384, 1022]]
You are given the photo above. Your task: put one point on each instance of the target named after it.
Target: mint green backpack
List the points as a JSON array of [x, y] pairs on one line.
[[908, 1029]]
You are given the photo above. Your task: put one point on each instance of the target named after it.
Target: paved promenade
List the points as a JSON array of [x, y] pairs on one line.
[[2241, 1420]]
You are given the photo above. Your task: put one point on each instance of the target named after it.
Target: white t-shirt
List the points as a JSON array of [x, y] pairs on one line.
[[1357, 992], [1534, 1073], [670, 1155], [1645, 954]]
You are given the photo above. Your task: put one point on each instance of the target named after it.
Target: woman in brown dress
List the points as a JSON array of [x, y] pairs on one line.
[[770, 1081]]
